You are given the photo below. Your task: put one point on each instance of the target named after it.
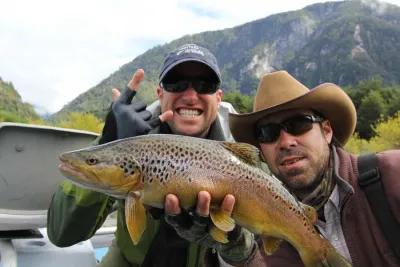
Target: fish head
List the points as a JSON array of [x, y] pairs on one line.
[[103, 168]]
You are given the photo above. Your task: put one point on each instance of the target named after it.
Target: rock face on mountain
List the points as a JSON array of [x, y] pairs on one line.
[[340, 42]]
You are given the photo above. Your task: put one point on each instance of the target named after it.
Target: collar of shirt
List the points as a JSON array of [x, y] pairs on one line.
[[331, 229]]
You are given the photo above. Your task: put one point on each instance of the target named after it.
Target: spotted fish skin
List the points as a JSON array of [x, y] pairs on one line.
[[157, 165]]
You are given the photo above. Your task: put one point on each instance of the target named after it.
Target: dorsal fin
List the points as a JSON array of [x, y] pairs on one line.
[[246, 152]]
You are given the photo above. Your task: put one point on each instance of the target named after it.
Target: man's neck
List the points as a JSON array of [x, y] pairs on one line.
[[317, 194]]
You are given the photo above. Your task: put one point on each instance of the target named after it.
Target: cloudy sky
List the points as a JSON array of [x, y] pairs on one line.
[[53, 50]]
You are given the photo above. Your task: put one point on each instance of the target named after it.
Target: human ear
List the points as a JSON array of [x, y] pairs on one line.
[[327, 131], [218, 95], [159, 92]]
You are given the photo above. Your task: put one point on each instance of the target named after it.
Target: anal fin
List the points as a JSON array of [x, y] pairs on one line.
[[222, 220], [270, 244], [218, 235]]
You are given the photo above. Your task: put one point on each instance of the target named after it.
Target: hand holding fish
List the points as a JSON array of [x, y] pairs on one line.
[[195, 227]]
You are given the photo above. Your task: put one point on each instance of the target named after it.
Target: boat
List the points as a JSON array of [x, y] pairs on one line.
[[28, 178]]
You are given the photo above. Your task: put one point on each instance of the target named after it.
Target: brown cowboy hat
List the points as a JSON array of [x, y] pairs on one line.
[[279, 91]]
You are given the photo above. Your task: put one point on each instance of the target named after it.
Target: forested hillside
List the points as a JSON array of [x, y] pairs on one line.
[[340, 42], [12, 108]]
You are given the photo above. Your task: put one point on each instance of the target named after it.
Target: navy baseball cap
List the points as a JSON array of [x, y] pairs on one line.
[[190, 52]]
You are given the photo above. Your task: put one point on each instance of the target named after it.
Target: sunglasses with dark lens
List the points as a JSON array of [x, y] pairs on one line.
[[200, 86], [297, 125]]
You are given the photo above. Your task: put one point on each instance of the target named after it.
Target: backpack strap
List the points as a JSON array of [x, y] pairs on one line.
[[370, 182]]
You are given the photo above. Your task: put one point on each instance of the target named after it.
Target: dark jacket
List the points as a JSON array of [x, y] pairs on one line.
[[364, 238]]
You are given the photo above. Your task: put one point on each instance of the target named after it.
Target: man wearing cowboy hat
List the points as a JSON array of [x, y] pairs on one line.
[[301, 133]]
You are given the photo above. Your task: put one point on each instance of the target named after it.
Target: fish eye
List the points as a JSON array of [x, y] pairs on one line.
[[92, 161]]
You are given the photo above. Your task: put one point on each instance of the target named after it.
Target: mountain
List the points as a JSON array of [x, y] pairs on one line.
[[12, 106], [340, 42]]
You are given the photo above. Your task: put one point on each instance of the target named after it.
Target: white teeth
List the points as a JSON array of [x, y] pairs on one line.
[[189, 112]]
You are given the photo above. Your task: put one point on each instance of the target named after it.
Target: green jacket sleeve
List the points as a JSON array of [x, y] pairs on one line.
[[75, 214]]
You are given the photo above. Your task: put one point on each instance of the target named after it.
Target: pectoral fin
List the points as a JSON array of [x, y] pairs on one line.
[[222, 220], [270, 244], [218, 235], [135, 216]]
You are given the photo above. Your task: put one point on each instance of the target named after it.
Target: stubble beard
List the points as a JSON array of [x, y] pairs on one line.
[[304, 180]]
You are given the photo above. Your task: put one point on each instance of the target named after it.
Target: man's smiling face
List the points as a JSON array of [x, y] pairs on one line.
[[193, 112]]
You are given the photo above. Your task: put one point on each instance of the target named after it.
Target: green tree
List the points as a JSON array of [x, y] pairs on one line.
[[387, 137], [242, 103], [81, 121], [363, 88], [357, 145], [39, 121], [11, 106], [387, 134], [6, 116], [371, 109], [392, 97]]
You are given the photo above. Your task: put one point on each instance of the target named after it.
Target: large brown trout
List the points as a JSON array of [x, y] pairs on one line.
[[145, 169]]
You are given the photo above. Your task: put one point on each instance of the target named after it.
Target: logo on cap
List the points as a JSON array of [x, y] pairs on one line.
[[190, 48]]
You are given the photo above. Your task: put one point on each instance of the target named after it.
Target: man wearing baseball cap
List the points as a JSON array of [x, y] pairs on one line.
[[189, 104]]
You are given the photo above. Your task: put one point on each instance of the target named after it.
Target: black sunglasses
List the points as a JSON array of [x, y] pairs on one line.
[[200, 86], [297, 125]]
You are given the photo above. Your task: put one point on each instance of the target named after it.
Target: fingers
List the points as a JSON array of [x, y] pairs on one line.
[[166, 116], [126, 96], [132, 87], [188, 225], [115, 93], [203, 203], [228, 203], [137, 78], [171, 205]]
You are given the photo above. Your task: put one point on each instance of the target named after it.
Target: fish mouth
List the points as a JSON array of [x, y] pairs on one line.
[[69, 171], [81, 180]]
